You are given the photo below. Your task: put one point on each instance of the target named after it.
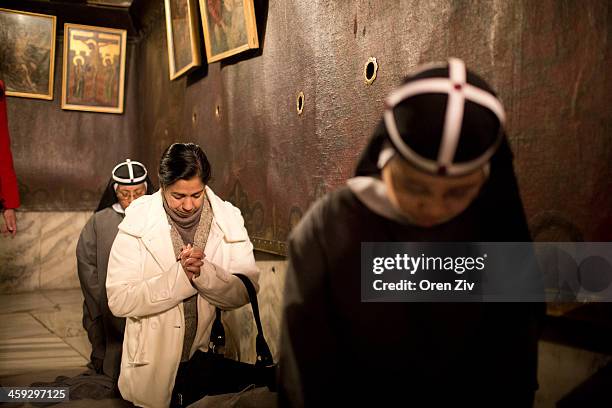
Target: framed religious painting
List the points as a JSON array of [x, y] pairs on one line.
[[229, 27], [27, 53], [93, 73], [183, 37]]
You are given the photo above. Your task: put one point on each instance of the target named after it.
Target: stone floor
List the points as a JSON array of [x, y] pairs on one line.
[[41, 337]]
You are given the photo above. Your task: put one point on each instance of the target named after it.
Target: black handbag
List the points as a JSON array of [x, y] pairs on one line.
[[210, 373]]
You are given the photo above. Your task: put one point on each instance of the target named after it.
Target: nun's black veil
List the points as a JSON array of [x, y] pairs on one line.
[[109, 197], [499, 203]]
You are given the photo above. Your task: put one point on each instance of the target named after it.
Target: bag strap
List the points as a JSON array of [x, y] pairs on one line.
[[217, 335]]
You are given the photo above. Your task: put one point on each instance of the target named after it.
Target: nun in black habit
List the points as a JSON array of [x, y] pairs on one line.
[[129, 180], [437, 169]]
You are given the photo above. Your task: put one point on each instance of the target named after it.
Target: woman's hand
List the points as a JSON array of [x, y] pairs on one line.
[[191, 259]]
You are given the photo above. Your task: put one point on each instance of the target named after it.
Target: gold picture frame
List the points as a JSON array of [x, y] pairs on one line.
[[93, 74], [229, 27], [27, 53], [183, 37]]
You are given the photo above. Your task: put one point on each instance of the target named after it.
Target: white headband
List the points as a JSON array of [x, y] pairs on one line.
[[458, 91], [132, 180]]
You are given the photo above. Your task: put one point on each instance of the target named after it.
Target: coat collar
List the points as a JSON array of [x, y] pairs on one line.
[[227, 217], [146, 219], [145, 213]]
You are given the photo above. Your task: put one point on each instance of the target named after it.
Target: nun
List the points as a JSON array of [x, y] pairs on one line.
[[129, 181], [438, 168]]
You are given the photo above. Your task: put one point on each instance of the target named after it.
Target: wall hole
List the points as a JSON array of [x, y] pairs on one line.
[[300, 103], [370, 70]]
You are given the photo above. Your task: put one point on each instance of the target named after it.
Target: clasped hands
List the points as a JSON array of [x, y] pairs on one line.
[[192, 259]]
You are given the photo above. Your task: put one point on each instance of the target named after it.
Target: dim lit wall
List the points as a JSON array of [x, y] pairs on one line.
[[63, 158], [548, 59], [63, 161], [273, 163]]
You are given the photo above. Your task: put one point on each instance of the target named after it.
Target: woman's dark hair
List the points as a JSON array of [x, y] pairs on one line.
[[183, 161]]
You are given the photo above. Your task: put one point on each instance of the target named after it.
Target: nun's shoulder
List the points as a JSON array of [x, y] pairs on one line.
[[334, 210], [106, 214]]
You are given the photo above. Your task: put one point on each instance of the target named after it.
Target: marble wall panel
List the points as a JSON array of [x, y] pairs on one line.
[[59, 236], [42, 254], [240, 325], [20, 255]]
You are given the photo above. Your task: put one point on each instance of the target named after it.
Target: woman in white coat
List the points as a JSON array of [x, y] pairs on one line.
[[171, 264]]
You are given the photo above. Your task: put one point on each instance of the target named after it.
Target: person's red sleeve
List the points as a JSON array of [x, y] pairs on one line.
[[9, 194]]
